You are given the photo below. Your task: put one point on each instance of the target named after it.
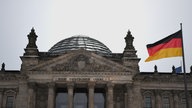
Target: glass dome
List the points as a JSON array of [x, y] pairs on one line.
[[79, 42]]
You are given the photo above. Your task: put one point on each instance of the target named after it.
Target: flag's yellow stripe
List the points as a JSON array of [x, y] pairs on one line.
[[164, 53]]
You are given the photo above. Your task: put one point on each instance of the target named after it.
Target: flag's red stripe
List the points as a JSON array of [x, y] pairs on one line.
[[174, 43]]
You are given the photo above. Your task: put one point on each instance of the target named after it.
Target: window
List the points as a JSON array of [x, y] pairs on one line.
[[9, 98], [148, 102], [166, 102], [9, 102], [148, 99]]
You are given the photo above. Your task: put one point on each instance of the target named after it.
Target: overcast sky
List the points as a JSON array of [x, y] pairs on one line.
[[105, 20]]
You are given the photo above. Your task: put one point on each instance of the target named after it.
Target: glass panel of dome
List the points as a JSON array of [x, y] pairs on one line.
[[79, 42]]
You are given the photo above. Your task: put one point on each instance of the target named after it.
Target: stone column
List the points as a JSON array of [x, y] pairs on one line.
[[110, 95], [31, 95], [22, 95], [137, 96], [129, 96], [189, 97], [157, 99], [51, 95], [1, 98], [171, 100], [175, 99], [70, 87], [91, 94], [126, 100]]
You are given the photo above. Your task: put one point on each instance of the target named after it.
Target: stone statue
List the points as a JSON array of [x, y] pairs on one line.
[[173, 70], [3, 67], [155, 69]]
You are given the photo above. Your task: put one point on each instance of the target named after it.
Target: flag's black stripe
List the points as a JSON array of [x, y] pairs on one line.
[[166, 39]]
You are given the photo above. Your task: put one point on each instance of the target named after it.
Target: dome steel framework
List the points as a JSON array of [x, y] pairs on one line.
[[79, 42]]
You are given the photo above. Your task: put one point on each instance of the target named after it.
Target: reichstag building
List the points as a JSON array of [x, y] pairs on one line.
[[81, 72]]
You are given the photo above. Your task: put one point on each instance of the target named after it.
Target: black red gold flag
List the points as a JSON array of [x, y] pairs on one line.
[[170, 46]]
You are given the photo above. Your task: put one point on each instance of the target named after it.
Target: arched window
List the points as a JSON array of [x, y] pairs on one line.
[[166, 100], [9, 99], [10, 102], [148, 97], [148, 102]]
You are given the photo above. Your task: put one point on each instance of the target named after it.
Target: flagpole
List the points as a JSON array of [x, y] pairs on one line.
[[185, 80]]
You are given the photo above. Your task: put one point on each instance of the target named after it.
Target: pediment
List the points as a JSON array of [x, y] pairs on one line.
[[81, 60]]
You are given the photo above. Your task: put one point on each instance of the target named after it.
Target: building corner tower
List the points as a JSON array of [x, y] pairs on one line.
[[130, 58], [30, 56]]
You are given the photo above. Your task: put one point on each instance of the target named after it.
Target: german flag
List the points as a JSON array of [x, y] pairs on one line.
[[170, 46]]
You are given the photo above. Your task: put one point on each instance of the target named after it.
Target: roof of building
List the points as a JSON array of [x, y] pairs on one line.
[[79, 42]]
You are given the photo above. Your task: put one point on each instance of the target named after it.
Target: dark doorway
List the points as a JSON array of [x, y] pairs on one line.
[[99, 98], [61, 98], [80, 98]]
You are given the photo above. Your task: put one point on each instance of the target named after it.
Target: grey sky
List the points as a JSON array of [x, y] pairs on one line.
[[105, 20]]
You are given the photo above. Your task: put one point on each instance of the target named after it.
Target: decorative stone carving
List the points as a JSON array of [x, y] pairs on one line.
[[10, 90], [32, 37], [84, 63], [129, 40], [8, 77], [31, 48], [80, 61], [22, 77]]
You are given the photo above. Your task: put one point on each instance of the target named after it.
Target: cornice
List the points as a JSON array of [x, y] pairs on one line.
[[78, 73], [9, 77], [161, 78]]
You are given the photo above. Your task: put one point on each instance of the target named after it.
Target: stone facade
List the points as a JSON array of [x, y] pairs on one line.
[[84, 79]]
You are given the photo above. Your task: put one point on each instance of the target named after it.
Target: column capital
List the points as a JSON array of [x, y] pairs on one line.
[[51, 84], [91, 84], [110, 85], [70, 85]]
